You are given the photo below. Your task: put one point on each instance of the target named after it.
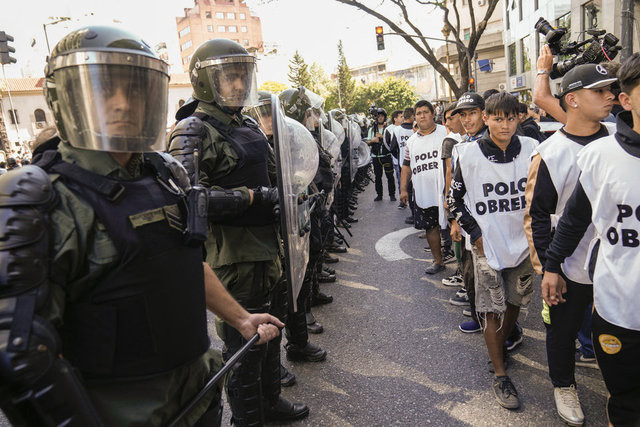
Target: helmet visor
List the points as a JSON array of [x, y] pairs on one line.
[[262, 114], [113, 107], [233, 83]]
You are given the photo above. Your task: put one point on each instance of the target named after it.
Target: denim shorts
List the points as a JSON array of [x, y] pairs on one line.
[[494, 288]]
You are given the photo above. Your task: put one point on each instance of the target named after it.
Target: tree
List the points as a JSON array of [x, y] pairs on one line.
[[345, 86], [273, 87], [320, 82], [421, 45], [298, 71], [390, 94]]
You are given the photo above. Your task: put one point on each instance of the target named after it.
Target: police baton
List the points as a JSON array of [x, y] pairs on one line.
[[215, 379], [341, 221]]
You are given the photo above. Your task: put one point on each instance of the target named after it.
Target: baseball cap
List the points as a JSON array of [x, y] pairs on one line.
[[586, 76], [468, 101]]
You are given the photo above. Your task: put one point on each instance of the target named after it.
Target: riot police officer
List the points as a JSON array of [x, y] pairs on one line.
[[244, 251], [99, 273]]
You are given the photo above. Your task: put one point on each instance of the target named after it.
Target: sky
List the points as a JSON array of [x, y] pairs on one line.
[[313, 27]]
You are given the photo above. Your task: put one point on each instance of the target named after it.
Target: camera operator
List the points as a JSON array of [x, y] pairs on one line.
[[606, 197]]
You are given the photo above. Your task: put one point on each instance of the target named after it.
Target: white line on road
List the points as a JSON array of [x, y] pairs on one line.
[[357, 285], [388, 246]]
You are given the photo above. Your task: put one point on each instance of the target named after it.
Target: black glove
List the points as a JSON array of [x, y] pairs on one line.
[[263, 196]]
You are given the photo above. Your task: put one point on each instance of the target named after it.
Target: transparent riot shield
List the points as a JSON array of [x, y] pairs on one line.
[[355, 139], [364, 154], [296, 164]]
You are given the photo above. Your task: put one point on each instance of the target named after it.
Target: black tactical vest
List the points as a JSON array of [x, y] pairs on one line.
[[147, 315], [251, 171]]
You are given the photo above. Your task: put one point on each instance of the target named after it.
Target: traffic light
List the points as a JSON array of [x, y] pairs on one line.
[[472, 84], [5, 49], [380, 38]]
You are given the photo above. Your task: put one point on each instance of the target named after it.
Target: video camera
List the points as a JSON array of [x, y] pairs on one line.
[[601, 46], [373, 111]]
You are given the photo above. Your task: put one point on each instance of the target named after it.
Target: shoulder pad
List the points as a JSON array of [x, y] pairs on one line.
[[191, 126], [27, 186], [177, 170]]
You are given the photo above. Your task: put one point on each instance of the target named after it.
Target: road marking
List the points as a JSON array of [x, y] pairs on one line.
[[388, 246], [344, 273], [357, 285], [400, 297], [328, 387]]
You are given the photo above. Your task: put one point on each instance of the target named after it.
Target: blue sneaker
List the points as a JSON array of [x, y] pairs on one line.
[[515, 340], [470, 327]]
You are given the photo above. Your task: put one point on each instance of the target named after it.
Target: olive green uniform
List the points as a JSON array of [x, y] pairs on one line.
[[233, 250], [82, 253]]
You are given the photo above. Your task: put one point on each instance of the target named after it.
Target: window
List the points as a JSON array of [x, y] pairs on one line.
[[591, 16], [210, 28], [186, 60], [207, 15], [565, 21], [467, 33], [524, 49], [39, 115], [219, 15], [231, 15], [243, 16], [512, 59], [243, 29], [535, 4], [222, 29], [185, 31], [520, 10], [186, 45], [506, 14], [245, 42], [237, 40], [233, 29], [14, 117]]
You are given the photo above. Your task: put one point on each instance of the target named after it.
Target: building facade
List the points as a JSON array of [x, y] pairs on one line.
[[30, 113], [523, 43], [211, 19]]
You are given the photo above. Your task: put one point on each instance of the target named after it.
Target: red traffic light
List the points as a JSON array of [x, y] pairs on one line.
[[379, 30]]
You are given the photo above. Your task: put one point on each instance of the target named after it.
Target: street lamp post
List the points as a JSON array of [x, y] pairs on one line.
[[56, 20]]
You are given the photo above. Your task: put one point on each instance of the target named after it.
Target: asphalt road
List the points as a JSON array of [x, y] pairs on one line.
[[396, 356]]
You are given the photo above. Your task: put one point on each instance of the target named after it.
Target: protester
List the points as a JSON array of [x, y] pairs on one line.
[[604, 197], [423, 167], [586, 98], [485, 173]]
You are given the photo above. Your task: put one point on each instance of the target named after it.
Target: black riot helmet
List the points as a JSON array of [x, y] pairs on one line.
[[222, 72], [108, 91], [381, 111]]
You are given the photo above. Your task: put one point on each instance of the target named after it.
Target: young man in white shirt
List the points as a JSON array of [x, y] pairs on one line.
[[606, 195], [422, 165], [587, 100], [487, 198]]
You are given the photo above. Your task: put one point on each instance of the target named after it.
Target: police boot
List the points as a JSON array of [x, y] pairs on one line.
[[326, 277], [287, 379], [313, 327], [329, 259], [275, 407], [284, 411], [308, 353], [244, 384], [329, 270], [336, 249]]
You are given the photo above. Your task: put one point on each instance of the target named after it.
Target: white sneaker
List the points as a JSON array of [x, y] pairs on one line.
[[568, 405]]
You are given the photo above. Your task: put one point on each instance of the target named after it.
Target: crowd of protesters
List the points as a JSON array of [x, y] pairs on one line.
[[507, 201]]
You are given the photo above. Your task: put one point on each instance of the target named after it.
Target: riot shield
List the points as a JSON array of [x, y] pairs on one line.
[[355, 139], [364, 154], [296, 165]]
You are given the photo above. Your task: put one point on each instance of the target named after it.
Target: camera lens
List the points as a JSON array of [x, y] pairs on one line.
[[543, 26]]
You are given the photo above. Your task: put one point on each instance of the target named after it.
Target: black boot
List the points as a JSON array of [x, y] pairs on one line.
[[326, 277], [313, 327], [308, 353], [244, 384], [329, 259], [284, 411], [329, 270], [336, 249], [320, 298], [287, 379]]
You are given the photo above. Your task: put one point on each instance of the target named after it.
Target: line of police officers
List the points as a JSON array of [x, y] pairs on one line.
[[103, 238]]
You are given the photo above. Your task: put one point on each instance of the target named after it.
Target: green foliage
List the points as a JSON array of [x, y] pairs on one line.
[[298, 71], [390, 94], [273, 87], [320, 82], [342, 94]]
